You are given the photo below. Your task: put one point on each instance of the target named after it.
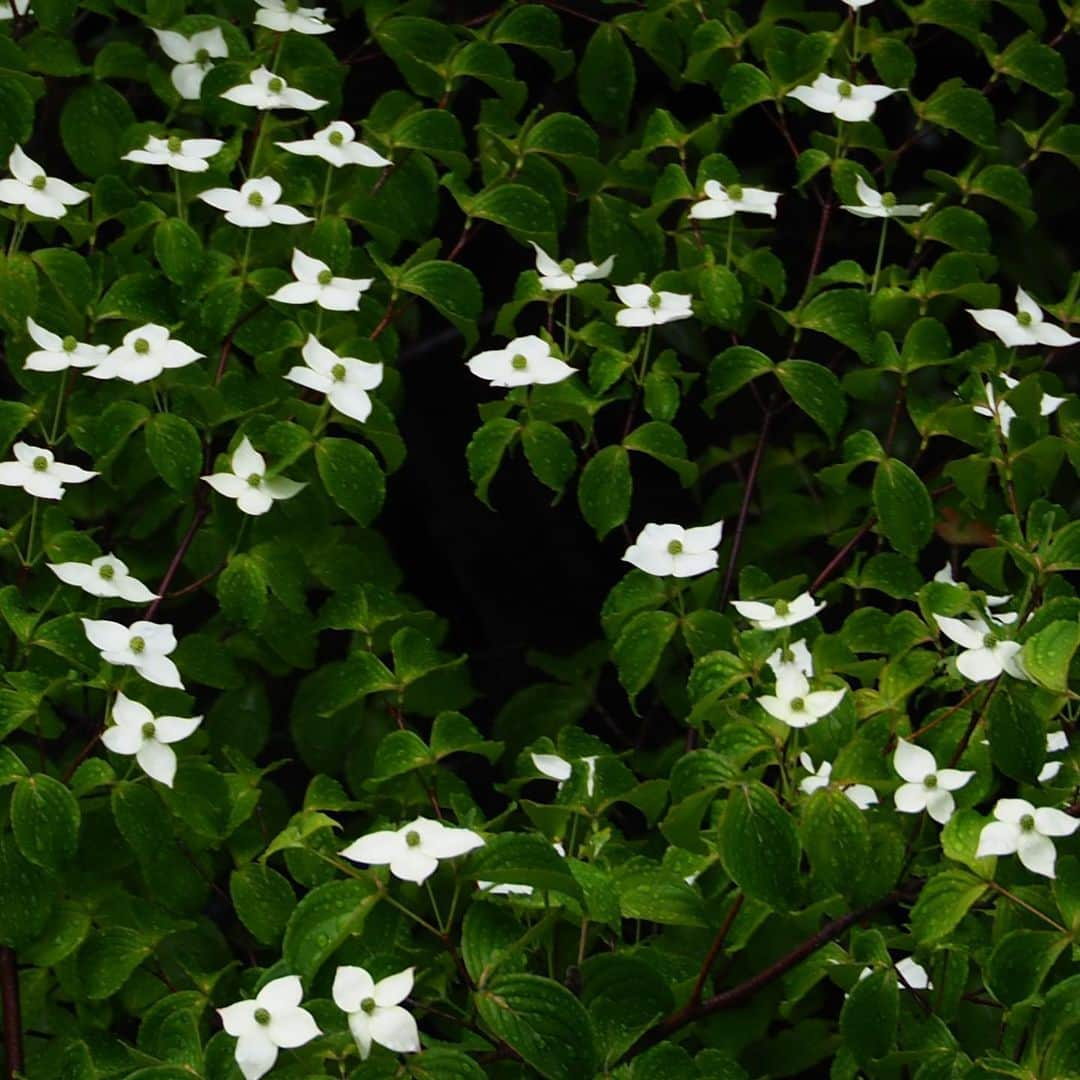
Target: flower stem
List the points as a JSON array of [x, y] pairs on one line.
[[880, 253], [435, 908], [855, 39], [61, 393], [30, 533], [244, 260], [16, 233], [645, 354], [326, 190], [730, 238], [566, 329]]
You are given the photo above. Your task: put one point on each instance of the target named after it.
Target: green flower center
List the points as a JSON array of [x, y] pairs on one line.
[[41, 463], [292, 5], [262, 1016], [255, 199], [930, 781], [567, 266], [519, 362], [675, 547], [338, 372], [107, 573], [655, 301], [888, 200], [781, 607], [149, 730], [141, 346], [202, 57], [1027, 823], [412, 838], [137, 645], [254, 480], [39, 182], [989, 641], [69, 344], [368, 1005], [844, 89], [336, 138], [1024, 318], [735, 192], [275, 86], [325, 277], [797, 704], [174, 144]]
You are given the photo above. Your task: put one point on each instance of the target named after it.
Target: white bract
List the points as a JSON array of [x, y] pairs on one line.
[[194, 57], [36, 470], [248, 484], [945, 575], [562, 276], [878, 205], [265, 90], [855, 4], [13, 8], [985, 653], [795, 657], [272, 1021], [282, 15], [413, 851], [337, 144], [862, 795], [184, 155], [525, 361], [255, 205], [374, 1009], [1027, 327], [143, 355], [775, 614], [144, 646], [559, 769], [843, 99], [1056, 742], [672, 551], [40, 194], [106, 576], [344, 380], [912, 975], [722, 201], [1023, 830], [646, 307], [316, 284], [928, 787], [1004, 413], [135, 731], [56, 353], [794, 703]]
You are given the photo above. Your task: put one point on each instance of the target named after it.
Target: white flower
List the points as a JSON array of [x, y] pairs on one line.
[[928, 787], [1056, 742], [796, 656], [284, 15], [561, 276], [255, 205], [1026, 327], [1023, 830], [271, 1021], [723, 202], [841, 98], [56, 353], [336, 143], [1048, 404], [862, 795], [794, 703], [145, 646], [985, 654], [672, 551], [315, 283], [877, 205], [40, 194], [374, 1009], [525, 361], [105, 576], [184, 155], [774, 614], [194, 57], [136, 731], [413, 851], [265, 90], [344, 380], [13, 8], [913, 976], [1005, 413], [38, 473], [644, 307], [556, 768], [945, 575], [855, 4], [143, 355], [248, 484]]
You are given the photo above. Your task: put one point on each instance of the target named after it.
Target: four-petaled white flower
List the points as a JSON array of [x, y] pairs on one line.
[[184, 155], [722, 201], [248, 484], [337, 144], [862, 795], [646, 307], [1056, 742], [928, 787], [374, 1010], [344, 380], [144, 646], [794, 703], [565, 275], [135, 731], [56, 353], [1023, 830], [282, 15], [672, 551], [1027, 327], [143, 355], [985, 654], [796, 657], [413, 851], [525, 361], [841, 98], [1003, 413], [40, 194], [255, 205], [272, 1021], [316, 284], [194, 57], [265, 90], [775, 614], [878, 205], [106, 576], [559, 769], [38, 473], [945, 575]]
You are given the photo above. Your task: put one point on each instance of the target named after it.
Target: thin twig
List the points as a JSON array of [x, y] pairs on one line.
[[9, 988], [714, 949]]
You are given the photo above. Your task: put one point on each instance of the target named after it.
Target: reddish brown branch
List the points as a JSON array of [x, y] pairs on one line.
[[841, 556], [714, 949]]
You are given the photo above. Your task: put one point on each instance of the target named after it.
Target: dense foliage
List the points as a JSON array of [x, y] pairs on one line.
[[759, 317]]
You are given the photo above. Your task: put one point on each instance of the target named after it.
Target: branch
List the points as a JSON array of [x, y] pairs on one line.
[[714, 949], [9, 986], [832, 565]]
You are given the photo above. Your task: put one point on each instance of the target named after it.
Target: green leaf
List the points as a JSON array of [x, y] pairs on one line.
[[1028, 59], [539, 29], [485, 453], [903, 507], [817, 391], [179, 251], [550, 454], [836, 839], [92, 126], [843, 314], [648, 891], [263, 899], [175, 450], [352, 477], [400, 752], [759, 847], [18, 291], [721, 295], [451, 289], [45, 819], [733, 369], [1017, 736], [638, 649], [523, 859], [27, 896], [139, 298], [562, 135], [242, 590], [1064, 551], [1020, 961], [604, 489], [943, 902], [625, 996], [436, 132], [745, 85], [518, 208], [606, 77], [959, 228], [663, 443], [70, 275], [963, 110], [1047, 655], [870, 1014], [327, 917]]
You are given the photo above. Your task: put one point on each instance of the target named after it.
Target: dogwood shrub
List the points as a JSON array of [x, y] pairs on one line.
[[733, 344]]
